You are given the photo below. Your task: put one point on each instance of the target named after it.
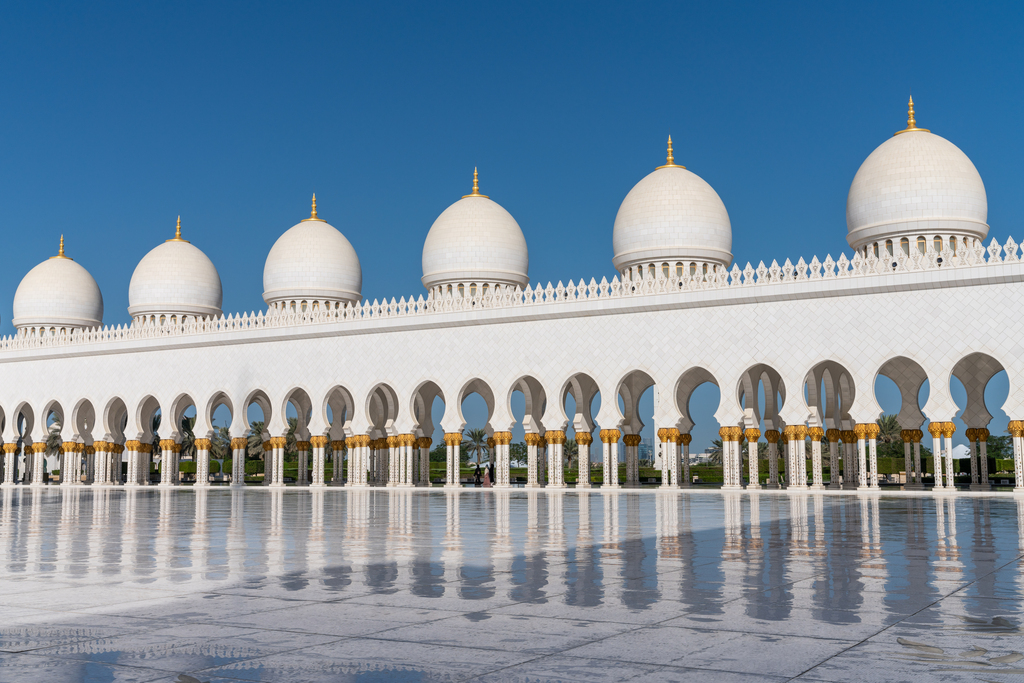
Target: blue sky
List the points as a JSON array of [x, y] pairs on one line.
[[115, 119]]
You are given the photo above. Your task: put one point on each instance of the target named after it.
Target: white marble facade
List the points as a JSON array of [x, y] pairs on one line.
[[363, 374]]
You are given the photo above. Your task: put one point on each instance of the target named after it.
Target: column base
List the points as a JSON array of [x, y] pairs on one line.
[[453, 487], [197, 485], [533, 486], [731, 487], [423, 484], [36, 485], [753, 487], [276, 486], [406, 486], [611, 486], [318, 486], [774, 486], [502, 486], [71, 483], [557, 486], [669, 486], [817, 487], [868, 488], [834, 486], [584, 485], [1018, 490], [356, 486], [9, 485]]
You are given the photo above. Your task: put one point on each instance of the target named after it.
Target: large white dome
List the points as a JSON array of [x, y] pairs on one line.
[[475, 240], [310, 262], [175, 278], [916, 184], [671, 216], [58, 293]]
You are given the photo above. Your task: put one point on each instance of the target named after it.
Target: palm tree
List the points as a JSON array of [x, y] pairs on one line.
[[188, 437], [476, 443], [255, 447], [53, 444], [889, 429], [220, 444], [571, 451]]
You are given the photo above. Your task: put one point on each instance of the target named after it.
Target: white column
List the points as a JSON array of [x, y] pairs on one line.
[[423, 443], [800, 456], [556, 458], [302, 463], [983, 435], [873, 453], [935, 429], [453, 440], [947, 436], [319, 445], [532, 474], [972, 434], [239, 447], [685, 440], [583, 441], [10, 463], [753, 473], [817, 472], [203, 462], [835, 473], [772, 436], [862, 457], [919, 473], [1016, 429], [907, 468], [100, 464]]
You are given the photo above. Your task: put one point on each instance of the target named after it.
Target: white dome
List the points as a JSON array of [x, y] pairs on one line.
[[58, 293], [312, 261], [175, 278], [916, 184], [475, 240], [671, 215]]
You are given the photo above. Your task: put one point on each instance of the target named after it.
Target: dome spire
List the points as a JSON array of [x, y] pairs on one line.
[[312, 213], [670, 161], [476, 187], [60, 250], [911, 123], [177, 233]]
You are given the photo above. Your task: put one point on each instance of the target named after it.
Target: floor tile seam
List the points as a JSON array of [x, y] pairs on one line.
[[683, 667], [162, 672]]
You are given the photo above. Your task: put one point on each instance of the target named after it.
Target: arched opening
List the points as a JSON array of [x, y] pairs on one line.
[[476, 406], [427, 410], [697, 397], [258, 414], [830, 391], [292, 448], [526, 403], [979, 385], [338, 411], [635, 396], [761, 393], [901, 390], [581, 400], [382, 410], [24, 423], [53, 418]]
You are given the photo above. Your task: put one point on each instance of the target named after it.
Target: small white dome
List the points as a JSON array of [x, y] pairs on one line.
[[475, 240], [672, 215], [58, 293], [175, 278], [916, 184], [312, 261]]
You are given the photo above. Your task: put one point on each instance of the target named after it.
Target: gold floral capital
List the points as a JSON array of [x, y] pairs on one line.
[[239, 443], [948, 429], [861, 430], [203, 444], [935, 429], [319, 441], [584, 438], [685, 439], [555, 436], [610, 435], [10, 448], [503, 438], [816, 433], [772, 436], [632, 440], [873, 430], [790, 433], [167, 444], [752, 434], [983, 434], [452, 438], [832, 435], [664, 435]]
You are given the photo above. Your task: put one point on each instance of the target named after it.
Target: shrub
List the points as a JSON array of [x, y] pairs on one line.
[[214, 467], [187, 466], [254, 467]]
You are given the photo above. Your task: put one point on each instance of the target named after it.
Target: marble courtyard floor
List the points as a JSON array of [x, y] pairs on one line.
[[388, 585]]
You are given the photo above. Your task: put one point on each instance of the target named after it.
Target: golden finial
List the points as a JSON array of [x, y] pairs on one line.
[[177, 233], [911, 123], [670, 161], [476, 187], [60, 250], [312, 214]]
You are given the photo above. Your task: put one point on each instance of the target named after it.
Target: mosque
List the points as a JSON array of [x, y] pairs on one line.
[[794, 349]]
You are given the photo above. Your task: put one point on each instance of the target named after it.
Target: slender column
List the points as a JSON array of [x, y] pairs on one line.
[[407, 443], [817, 472], [789, 437], [492, 456], [424, 445], [203, 462], [453, 441], [532, 476], [145, 463], [71, 467], [503, 464], [583, 441], [134, 456], [542, 461], [302, 450], [277, 445], [833, 457], [116, 458], [935, 429], [983, 435], [319, 445], [730, 468], [907, 435], [382, 457], [800, 457], [861, 430], [167, 462], [872, 434], [772, 436], [685, 440], [632, 442], [667, 440], [1016, 429], [394, 469], [918, 472], [972, 434], [753, 471], [948, 428], [556, 458], [239, 446], [100, 464], [38, 464], [10, 464], [610, 439]]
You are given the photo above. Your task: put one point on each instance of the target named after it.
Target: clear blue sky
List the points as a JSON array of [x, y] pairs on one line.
[[115, 119]]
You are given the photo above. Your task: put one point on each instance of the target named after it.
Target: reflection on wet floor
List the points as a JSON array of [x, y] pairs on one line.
[[295, 585]]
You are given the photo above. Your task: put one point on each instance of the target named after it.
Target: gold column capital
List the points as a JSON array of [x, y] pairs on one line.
[[584, 438], [833, 435], [685, 439], [632, 440], [239, 442], [203, 444], [772, 436], [10, 448], [861, 430], [816, 433], [752, 434], [610, 435], [983, 434], [935, 429], [948, 429], [452, 438]]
